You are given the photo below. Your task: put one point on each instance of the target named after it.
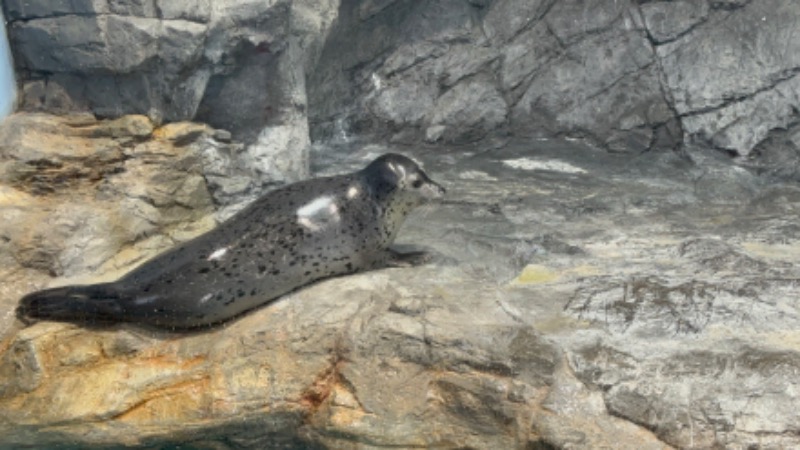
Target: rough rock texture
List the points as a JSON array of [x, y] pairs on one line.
[[81, 196], [628, 75], [577, 299], [466, 69], [237, 65], [750, 54]]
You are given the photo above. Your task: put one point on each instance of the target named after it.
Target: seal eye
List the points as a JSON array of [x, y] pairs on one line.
[[417, 183]]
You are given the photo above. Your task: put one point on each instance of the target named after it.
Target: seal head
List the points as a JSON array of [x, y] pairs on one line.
[[396, 173], [398, 185]]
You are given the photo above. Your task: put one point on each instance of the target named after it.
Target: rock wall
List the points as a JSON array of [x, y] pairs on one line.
[[628, 75], [236, 65]]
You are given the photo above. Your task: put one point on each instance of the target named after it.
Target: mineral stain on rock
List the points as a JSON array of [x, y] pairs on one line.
[[534, 274]]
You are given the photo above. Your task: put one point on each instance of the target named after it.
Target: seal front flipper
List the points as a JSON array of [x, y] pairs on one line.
[[91, 303]]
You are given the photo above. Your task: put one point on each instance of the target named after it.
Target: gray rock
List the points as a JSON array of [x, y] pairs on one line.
[[463, 61], [46, 96], [56, 44], [573, 20], [668, 20], [404, 102], [243, 66], [181, 45], [222, 135], [585, 69], [239, 66], [741, 125], [131, 43], [409, 55], [609, 94], [747, 53], [572, 302], [194, 10], [526, 54], [469, 111], [32, 9], [368, 68], [779, 154], [506, 18], [280, 152], [138, 8], [434, 133]]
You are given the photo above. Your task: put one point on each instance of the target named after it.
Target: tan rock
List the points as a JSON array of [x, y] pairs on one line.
[[182, 133], [637, 320], [75, 191]]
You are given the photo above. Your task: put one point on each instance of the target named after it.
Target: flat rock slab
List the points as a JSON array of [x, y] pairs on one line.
[[577, 299]]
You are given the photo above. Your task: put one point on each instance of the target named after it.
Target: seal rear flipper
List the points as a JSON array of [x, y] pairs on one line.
[[91, 303]]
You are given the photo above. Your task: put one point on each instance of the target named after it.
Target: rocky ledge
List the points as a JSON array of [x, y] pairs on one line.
[[577, 299]]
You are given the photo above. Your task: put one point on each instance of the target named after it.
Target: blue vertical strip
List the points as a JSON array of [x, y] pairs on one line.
[[8, 86]]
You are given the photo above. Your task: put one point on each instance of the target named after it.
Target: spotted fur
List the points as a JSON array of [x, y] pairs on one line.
[[286, 239]]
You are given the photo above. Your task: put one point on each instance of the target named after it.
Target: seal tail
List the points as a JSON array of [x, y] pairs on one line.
[[90, 303]]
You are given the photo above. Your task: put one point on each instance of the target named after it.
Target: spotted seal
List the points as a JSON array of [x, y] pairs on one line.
[[286, 239]]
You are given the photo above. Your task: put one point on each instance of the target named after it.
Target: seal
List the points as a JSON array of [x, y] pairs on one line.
[[288, 238]]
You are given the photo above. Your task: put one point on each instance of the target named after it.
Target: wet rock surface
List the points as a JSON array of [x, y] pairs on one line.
[[576, 299]]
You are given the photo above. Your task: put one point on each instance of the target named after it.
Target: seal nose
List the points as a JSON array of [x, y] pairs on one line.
[[433, 189]]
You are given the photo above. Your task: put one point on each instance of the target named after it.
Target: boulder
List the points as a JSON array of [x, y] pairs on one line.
[[84, 196], [469, 111], [568, 304], [754, 66], [607, 293], [535, 68], [239, 65]]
